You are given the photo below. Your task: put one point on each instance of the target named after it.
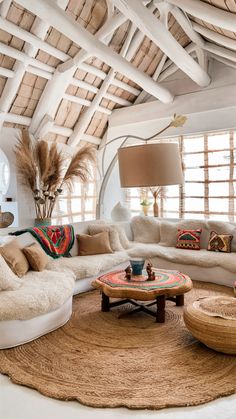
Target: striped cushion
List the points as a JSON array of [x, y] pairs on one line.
[[219, 242], [189, 239]]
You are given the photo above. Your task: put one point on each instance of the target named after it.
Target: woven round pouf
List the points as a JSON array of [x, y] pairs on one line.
[[213, 321]]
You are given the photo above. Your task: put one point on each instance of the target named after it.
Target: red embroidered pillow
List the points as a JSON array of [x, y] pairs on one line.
[[189, 239]]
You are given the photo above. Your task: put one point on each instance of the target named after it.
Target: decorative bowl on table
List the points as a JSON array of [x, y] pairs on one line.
[[137, 265]]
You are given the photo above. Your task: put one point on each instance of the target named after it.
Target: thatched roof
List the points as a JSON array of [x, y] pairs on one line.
[[71, 102]]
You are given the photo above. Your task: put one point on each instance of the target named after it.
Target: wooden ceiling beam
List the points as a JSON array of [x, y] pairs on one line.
[[64, 73], [88, 68], [5, 6], [26, 36], [85, 119], [215, 36], [187, 26], [6, 73], [47, 10], [208, 13], [222, 60], [59, 83], [105, 31], [25, 59], [137, 38], [221, 51], [55, 129], [157, 32], [85, 102]]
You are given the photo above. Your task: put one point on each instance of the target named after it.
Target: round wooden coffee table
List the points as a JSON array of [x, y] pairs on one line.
[[168, 285]]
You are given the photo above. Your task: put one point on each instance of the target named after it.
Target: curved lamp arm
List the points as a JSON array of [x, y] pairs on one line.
[[178, 121]]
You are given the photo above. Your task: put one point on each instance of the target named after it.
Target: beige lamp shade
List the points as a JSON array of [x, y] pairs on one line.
[[150, 165]]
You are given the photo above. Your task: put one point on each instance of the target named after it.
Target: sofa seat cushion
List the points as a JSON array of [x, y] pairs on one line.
[[40, 293], [87, 266], [143, 250], [188, 257]]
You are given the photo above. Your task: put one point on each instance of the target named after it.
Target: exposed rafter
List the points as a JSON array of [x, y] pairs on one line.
[[215, 36], [63, 77], [187, 26], [47, 10], [221, 51], [207, 12], [78, 88], [39, 30], [84, 120], [157, 32]]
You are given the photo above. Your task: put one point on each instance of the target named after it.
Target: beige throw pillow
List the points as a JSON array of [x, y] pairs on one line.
[[36, 257], [8, 280], [113, 234], [94, 245], [15, 258]]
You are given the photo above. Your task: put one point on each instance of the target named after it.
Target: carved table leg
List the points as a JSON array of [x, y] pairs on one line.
[[105, 302], [180, 300], [161, 302]]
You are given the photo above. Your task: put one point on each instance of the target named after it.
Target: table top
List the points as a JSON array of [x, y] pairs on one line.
[[168, 282]]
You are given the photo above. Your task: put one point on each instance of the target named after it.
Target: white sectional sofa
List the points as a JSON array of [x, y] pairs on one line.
[[22, 320], [160, 237], [44, 301]]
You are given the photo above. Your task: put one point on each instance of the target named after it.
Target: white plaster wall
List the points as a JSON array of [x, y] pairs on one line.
[[209, 109], [23, 198], [113, 194]]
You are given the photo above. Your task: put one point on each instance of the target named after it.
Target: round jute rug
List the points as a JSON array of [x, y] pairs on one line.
[[104, 360]]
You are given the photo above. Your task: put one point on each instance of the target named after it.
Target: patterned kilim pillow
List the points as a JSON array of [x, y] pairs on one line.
[[219, 242], [189, 239]]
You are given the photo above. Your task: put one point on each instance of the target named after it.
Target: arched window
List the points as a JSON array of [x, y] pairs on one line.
[[77, 205]]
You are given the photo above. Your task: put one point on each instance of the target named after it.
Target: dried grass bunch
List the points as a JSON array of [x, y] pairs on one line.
[[46, 171]]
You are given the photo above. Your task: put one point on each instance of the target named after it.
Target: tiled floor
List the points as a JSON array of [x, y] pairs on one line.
[[17, 402]]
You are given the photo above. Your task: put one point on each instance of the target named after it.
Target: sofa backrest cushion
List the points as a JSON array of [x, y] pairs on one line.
[[169, 231], [168, 234], [113, 234], [145, 229]]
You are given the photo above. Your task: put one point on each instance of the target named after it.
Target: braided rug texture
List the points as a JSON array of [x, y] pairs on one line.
[[102, 360]]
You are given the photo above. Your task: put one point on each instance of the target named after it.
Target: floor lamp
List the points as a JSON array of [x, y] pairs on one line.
[[144, 164], [150, 165]]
